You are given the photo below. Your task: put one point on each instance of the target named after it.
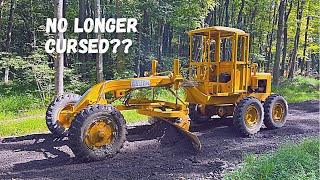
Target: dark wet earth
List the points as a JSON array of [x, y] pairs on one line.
[[42, 156]]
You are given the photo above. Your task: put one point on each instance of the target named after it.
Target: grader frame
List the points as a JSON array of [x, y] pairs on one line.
[[216, 86]]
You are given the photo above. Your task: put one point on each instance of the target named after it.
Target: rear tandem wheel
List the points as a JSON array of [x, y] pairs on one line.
[[248, 116], [275, 111]]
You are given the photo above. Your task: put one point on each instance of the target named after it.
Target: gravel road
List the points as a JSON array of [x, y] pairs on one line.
[[41, 156]]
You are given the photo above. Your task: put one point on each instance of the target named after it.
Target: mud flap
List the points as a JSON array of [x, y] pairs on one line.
[[192, 137]]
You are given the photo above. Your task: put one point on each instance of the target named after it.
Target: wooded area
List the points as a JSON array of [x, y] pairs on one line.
[[284, 38]]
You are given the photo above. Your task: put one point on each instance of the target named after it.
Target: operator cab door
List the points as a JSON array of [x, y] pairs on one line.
[[219, 61], [228, 53], [199, 58], [240, 54]]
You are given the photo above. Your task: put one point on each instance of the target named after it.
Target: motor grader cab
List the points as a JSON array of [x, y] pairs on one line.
[[221, 82], [219, 65]]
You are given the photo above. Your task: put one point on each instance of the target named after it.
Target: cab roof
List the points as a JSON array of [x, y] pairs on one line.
[[224, 31]]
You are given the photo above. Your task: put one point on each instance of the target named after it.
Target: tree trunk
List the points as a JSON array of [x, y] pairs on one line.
[[233, 20], [82, 57], [10, 26], [64, 14], [160, 41], [6, 75], [82, 16], [285, 39], [214, 23], [34, 38], [138, 58], [278, 46], [284, 49], [318, 64], [269, 54], [220, 16], [252, 35], [1, 5], [120, 51], [9, 38], [145, 38], [59, 62], [99, 56], [227, 12], [305, 46], [208, 19], [240, 14], [179, 45], [166, 33], [296, 41], [224, 44], [170, 40]]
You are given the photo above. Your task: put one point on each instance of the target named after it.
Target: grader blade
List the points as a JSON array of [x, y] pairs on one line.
[[196, 144]]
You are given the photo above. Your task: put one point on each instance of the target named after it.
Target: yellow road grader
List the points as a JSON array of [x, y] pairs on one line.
[[220, 81]]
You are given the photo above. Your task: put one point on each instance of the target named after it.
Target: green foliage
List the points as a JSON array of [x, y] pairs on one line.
[[73, 82], [29, 63], [188, 14], [299, 89], [289, 162], [18, 103], [18, 97]]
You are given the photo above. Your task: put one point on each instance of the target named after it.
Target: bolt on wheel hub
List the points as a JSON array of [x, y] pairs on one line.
[[278, 112], [64, 118], [251, 116], [99, 134]]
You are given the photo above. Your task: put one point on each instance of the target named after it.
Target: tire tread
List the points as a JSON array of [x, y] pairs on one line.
[[76, 143]]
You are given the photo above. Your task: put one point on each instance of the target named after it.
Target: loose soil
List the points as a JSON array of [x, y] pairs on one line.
[[42, 156]]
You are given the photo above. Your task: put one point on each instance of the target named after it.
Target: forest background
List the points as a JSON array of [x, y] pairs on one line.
[[284, 40]]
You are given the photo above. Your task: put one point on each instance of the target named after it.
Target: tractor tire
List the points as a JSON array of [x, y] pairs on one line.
[[248, 116], [275, 111], [98, 132], [54, 123], [195, 116]]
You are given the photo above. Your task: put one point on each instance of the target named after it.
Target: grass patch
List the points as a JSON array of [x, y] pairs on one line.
[[34, 122], [25, 114], [131, 116], [23, 127], [299, 89], [299, 161]]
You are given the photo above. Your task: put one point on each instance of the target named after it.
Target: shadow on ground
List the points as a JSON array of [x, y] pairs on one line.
[[56, 153]]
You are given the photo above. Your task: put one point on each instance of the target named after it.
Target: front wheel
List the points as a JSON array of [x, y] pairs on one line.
[[275, 111], [98, 131], [248, 116]]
